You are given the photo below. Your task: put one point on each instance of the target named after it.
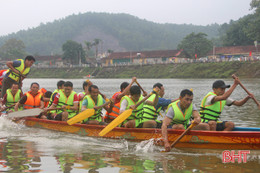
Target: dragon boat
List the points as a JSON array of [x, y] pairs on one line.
[[241, 138]]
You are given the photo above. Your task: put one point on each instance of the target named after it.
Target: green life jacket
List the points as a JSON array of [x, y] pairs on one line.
[[51, 100], [10, 99], [179, 116], [63, 100], [80, 102], [91, 103], [138, 112], [149, 111], [211, 112], [24, 70]]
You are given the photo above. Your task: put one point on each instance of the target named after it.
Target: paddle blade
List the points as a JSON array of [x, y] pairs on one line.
[[122, 117], [81, 116], [25, 113]]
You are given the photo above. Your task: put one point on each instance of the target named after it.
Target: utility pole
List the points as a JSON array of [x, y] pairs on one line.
[[255, 42]]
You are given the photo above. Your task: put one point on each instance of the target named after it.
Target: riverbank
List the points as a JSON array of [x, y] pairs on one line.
[[187, 70]]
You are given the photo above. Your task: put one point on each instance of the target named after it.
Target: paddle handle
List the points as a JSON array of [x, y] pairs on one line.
[[105, 104], [7, 107], [143, 100], [140, 86], [258, 104], [183, 134]]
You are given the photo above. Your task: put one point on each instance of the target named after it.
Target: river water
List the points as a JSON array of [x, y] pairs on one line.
[[26, 149]]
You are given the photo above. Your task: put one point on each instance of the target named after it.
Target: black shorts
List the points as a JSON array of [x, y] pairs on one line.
[[221, 125], [159, 125], [58, 117]]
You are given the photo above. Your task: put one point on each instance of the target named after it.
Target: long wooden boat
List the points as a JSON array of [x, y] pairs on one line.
[[245, 139]]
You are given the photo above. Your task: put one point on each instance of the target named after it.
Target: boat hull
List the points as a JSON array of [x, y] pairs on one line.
[[234, 140]]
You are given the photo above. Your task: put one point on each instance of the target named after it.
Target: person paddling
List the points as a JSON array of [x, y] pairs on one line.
[[32, 99], [179, 114], [66, 99], [16, 73], [213, 104], [12, 96], [152, 107], [93, 100], [124, 90], [128, 102]]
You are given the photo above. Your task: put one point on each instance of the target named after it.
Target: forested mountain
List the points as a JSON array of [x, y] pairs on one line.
[[117, 32]]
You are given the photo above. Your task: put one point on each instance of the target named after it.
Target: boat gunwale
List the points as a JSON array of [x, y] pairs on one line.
[[152, 130]]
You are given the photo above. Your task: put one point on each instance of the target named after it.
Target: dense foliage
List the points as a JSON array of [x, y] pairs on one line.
[[244, 31], [73, 52], [12, 49], [196, 45]]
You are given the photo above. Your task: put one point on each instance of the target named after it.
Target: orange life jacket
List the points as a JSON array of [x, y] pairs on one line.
[[46, 104], [32, 101], [43, 90], [115, 109]]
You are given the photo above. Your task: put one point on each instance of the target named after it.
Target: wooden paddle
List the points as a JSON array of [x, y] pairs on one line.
[[140, 87], [182, 135], [7, 108], [122, 117], [28, 112], [85, 114], [257, 103]]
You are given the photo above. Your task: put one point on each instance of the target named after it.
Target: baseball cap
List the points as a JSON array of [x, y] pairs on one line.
[[220, 84]]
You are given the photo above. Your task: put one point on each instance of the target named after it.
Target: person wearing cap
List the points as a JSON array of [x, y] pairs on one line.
[[213, 103]]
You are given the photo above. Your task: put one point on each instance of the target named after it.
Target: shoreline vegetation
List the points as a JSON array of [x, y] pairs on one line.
[[187, 70]]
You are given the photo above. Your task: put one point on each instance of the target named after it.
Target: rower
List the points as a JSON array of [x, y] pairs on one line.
[[18, 70], [179, 114], [85, 92], [91, 101], [128, 102], [213, 103], [152, 107], [124, 87], [31, 99], [66, 99], [12, 96]]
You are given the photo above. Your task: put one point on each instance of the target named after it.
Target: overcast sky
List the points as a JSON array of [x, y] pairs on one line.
[[16, 15]]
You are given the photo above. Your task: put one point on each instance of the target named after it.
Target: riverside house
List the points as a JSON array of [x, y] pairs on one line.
[[235, 53], [144, 57]]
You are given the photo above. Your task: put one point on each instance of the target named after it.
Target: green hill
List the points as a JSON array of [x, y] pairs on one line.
[[118, 32]]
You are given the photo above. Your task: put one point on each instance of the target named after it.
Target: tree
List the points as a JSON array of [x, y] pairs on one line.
[[88, 47], [255, 4], [73, 52], [196, 45], [96, 43], [13, 49]]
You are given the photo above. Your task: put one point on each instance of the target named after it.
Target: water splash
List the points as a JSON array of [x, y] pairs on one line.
[[145, 146]]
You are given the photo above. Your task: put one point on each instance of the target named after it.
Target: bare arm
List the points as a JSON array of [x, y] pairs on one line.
[[110, 107], [41, 105], [9, 64], [127, 89], [242, 102], [228, 92], [17, 105], [153, 103], [165, 124], [196, 116]]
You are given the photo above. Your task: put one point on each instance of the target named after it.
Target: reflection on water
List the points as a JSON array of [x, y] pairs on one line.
[[36, 150], [23, 156]]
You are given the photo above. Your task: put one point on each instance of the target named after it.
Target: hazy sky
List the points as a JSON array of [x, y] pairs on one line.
[[16, 15]]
